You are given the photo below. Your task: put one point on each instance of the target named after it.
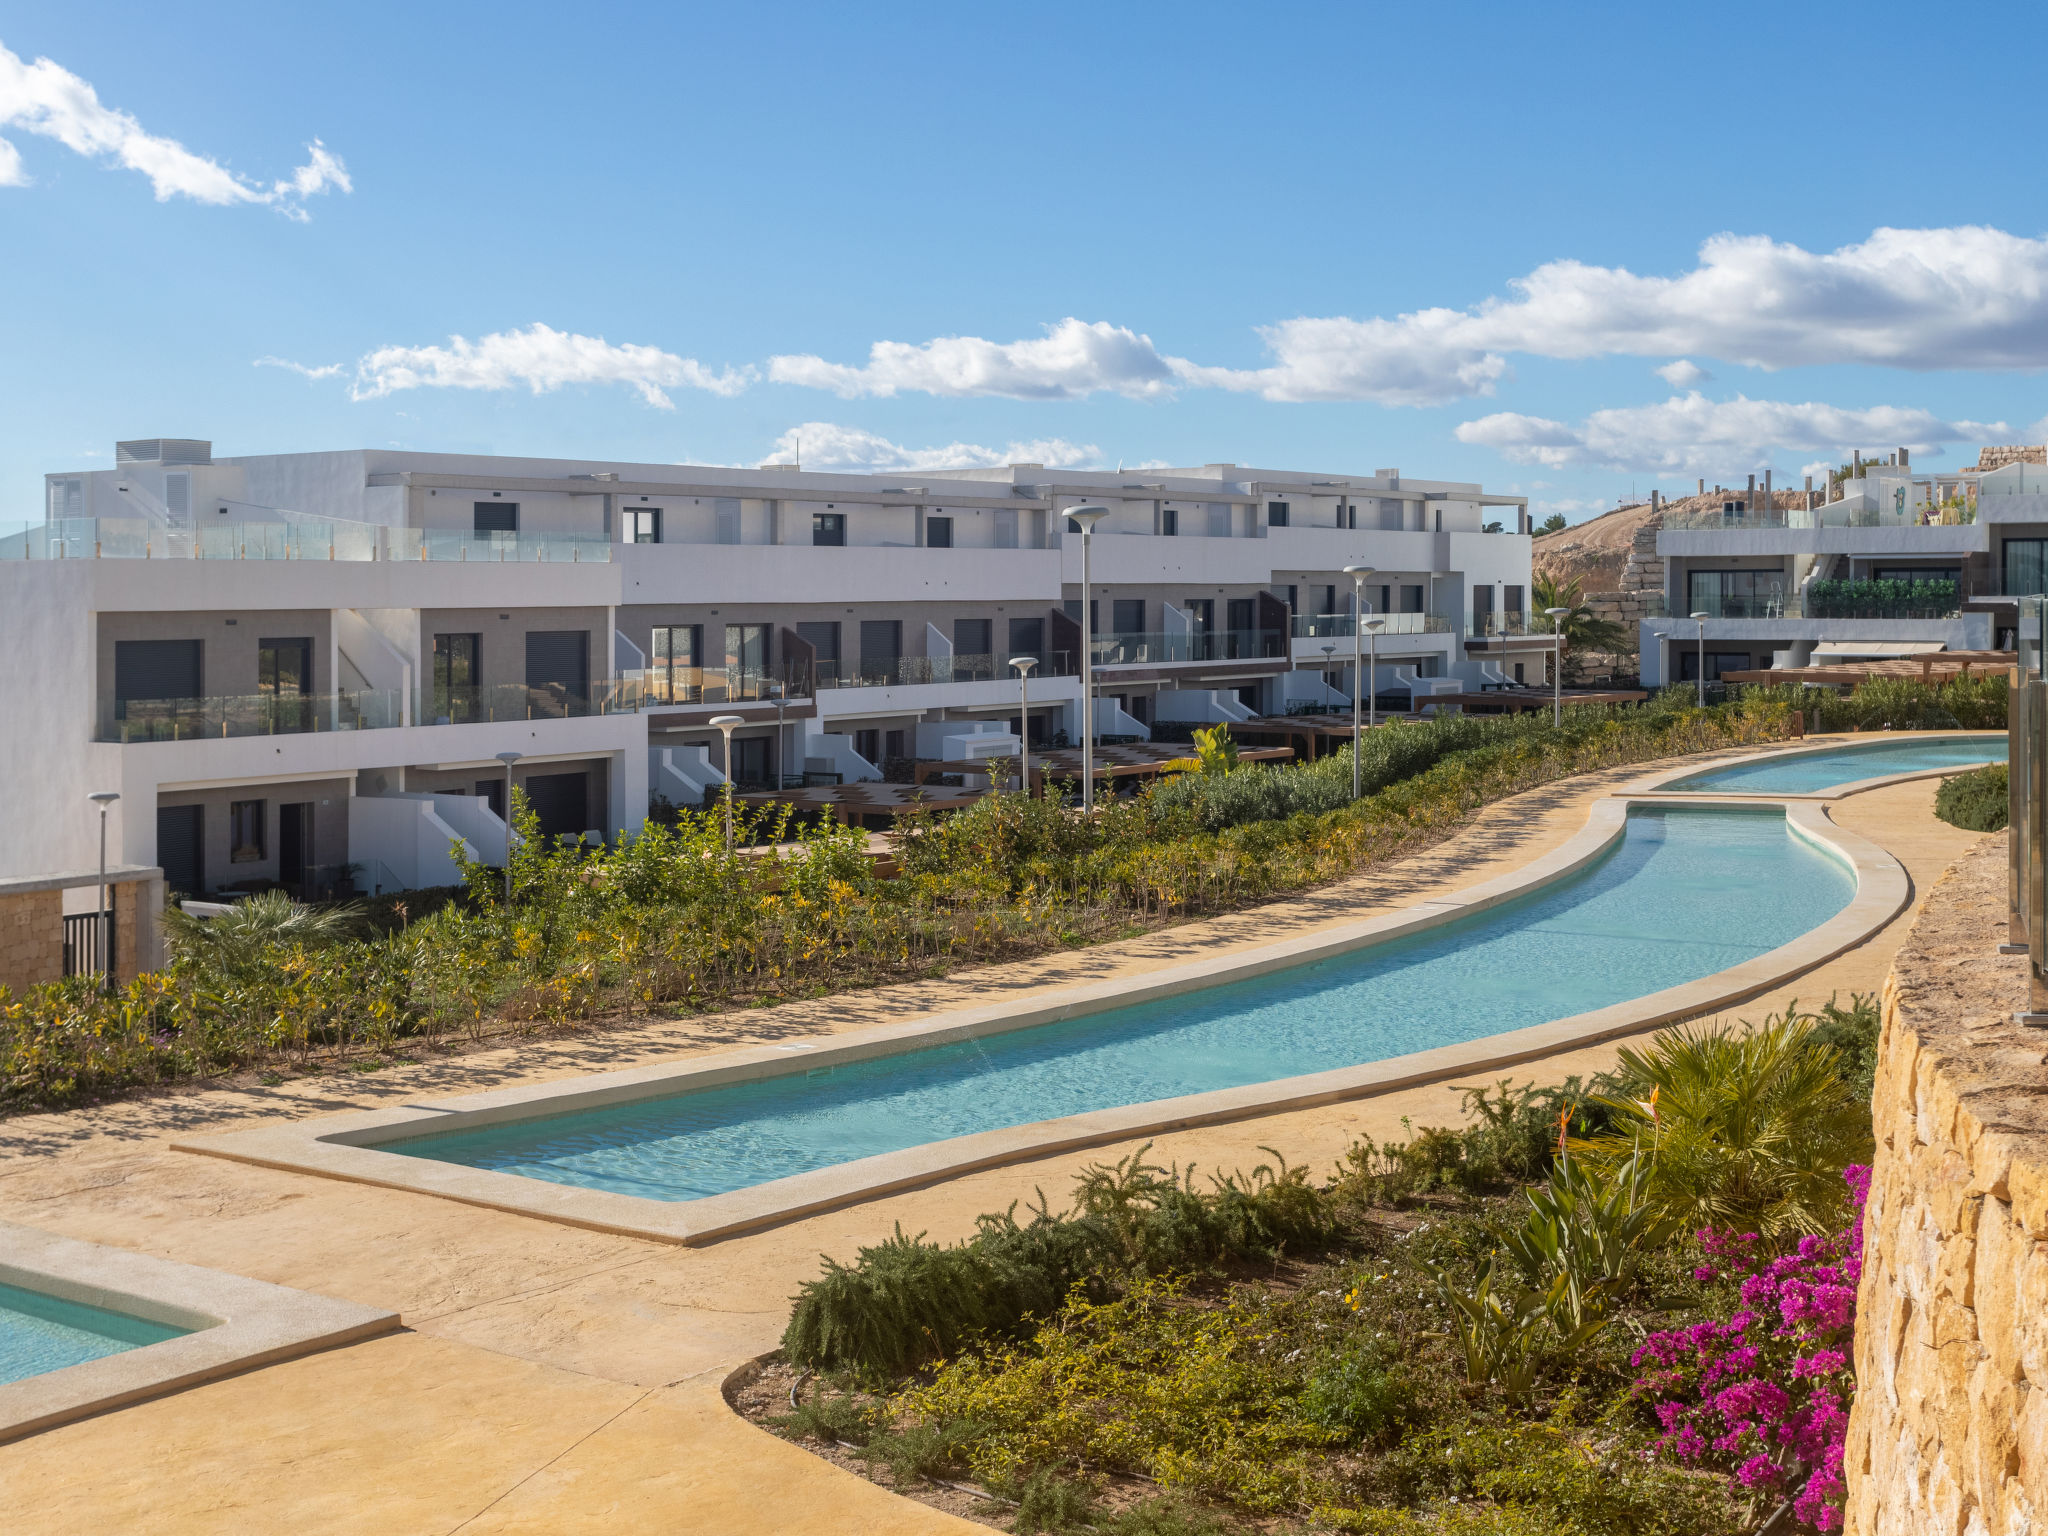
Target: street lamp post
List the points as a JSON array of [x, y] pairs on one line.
[[102, 923], [1358, 573], [1557, 616], [508, 759], [781, 743], [725, 723], [1085, 518], [1024, 664], [1701, 618]]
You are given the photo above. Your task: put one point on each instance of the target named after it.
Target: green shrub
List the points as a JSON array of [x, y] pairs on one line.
[[1364, 1392], [1049, 1502], [1975, 801], [1852, 1034]]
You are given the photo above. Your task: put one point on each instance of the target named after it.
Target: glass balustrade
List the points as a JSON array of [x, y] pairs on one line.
[[1156, 648], [224, 716], [296, 538], [1329, 626]]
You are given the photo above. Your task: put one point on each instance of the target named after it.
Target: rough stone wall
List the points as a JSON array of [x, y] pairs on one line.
[[1642, 584], [2012, 453], [31, 938], [1949, 1434]]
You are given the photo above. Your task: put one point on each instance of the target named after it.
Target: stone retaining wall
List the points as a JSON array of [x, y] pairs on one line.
[[1949, 1436]]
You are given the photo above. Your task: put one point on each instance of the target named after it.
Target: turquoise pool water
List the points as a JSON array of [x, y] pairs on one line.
[[41, 1333], [1819, 771], [1684, 894]]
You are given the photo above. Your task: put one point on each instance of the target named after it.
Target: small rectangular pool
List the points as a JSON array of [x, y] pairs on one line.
[[41, 1333], [1813, 773]]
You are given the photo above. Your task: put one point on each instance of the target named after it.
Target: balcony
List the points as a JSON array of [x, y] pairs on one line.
[[1502, 626], [1834, 514], [914, 671], [1168, 647], [1328, 626], [304, 538], [222, 717]]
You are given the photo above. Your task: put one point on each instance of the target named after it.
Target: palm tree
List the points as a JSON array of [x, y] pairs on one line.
[[241, 938], [1583, 630]]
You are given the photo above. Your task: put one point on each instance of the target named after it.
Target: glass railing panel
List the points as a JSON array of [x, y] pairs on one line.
[[458, 546], [1331, 626], [1484, 624], [222, 717]]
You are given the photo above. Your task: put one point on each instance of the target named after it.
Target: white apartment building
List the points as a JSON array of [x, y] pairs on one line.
[[300, 667], [1895, 565]]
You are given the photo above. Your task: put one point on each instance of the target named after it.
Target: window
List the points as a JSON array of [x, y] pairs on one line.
[[1288, 594], [457, 679], [1718, 663], [1127, 615], [674, 661], [822, 636], [1276, 514], [1482, 611], [284, 680], [750, 763], [1006, 528], [245, 831], [497, 517], [881, 646], [1919, 574], [1412, 598], [1219, 519], [1027, 638], [1073, 608], [1201, 614], [642, 525], [2026, 567], [1514, 598], [557, 673], [150, 671], [1169, 521], [1329, 595], [973, 637], [1379, 596], [1241, 614], [828, 528], [938, 533], [746, 661], [1519, 678], [725, 517], [1737, 594]]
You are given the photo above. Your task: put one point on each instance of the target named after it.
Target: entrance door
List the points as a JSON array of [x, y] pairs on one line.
[[181, 849], [750, 764], [295, 857]]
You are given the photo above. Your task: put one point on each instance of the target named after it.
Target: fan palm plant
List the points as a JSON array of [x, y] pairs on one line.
[[1743, 1129], [240, 938], [1583, 630]]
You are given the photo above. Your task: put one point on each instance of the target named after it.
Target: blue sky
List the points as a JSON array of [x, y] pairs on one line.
[[1286, 235]]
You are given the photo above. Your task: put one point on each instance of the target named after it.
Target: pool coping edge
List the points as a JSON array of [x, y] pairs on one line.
[[348, 1147], [239, 1324]]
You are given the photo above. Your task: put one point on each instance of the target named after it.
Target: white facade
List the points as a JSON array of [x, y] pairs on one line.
[[245, 648], [1771, 582]]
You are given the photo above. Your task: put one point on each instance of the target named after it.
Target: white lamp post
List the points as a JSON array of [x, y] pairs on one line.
[[725, 723], [1701, 619], [1024, 664], [1085, 518], [102, 923], [508, 759], [1357, 573], [1557, 617], [781, 755]]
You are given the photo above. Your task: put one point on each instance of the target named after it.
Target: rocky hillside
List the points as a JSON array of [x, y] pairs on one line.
[[1595, 551]]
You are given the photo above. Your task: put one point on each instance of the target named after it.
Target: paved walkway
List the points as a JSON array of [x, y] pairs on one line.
[[556, 1380]]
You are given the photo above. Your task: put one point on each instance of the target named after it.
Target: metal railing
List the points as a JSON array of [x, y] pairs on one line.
[[295, 538], [83, 932], [2027, 824], [1833, 514]]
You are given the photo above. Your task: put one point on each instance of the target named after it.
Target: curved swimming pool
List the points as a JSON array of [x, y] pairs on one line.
[[1684, 893], [1811, 773]]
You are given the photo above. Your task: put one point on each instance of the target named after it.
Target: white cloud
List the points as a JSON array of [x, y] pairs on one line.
[[1967, 297], [325, 371], [1690, 434], [826, 445], [1075, 358], [542, 359], [47, 99]]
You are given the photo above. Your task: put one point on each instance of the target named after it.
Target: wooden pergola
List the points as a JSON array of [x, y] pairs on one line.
[[1931, 668]]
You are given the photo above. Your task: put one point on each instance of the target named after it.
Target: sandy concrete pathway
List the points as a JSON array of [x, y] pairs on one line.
[[558, 1380]]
